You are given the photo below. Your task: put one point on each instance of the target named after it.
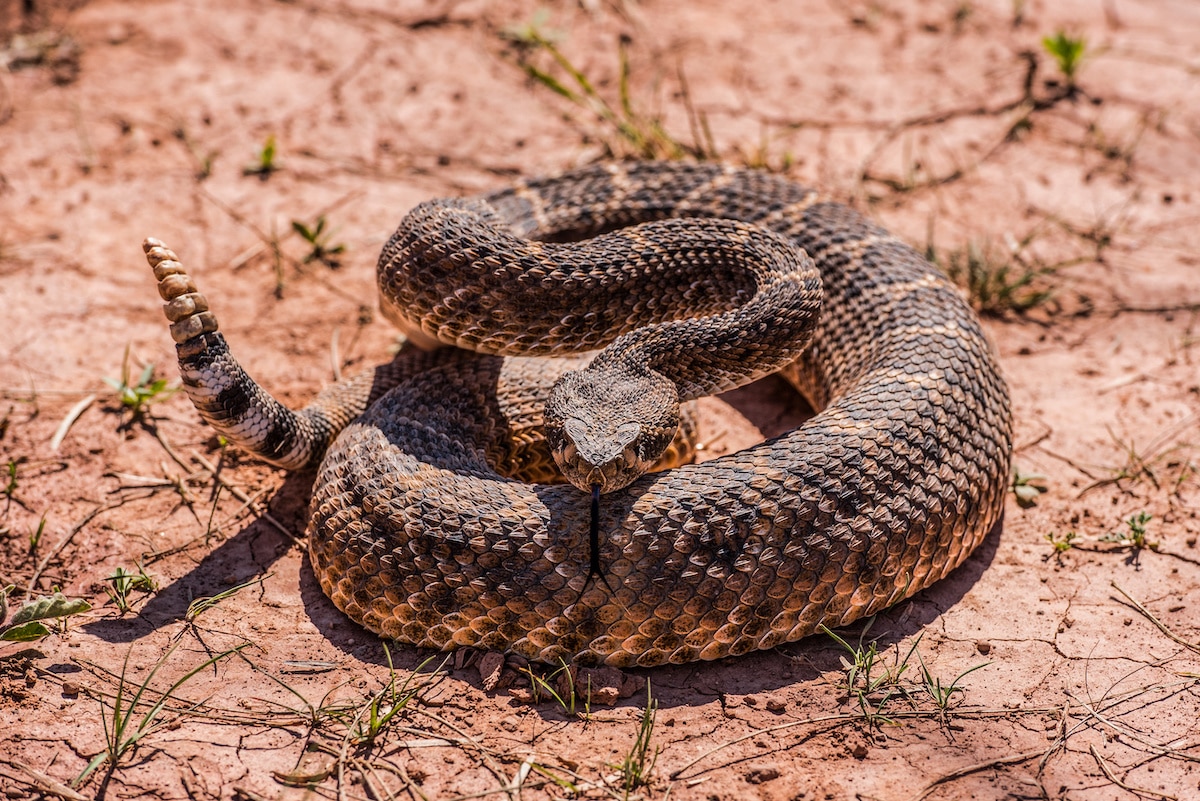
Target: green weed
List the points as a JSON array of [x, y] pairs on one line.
[[264, 163], [11, 469], [201, 605], [384, 705], [1067, 51], [124, 728], [943, 695], [1027, 487], [27, 622], [869, 680], [632, 132], [35, 536], [639, 761], [123, 583], [1137, 537], [137, 395], [1062, 544], [318, 239], [996, 283], [540, 685]]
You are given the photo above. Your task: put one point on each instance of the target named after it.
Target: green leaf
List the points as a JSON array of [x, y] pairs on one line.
[[1027, 494], [26, 632], [50, 606]]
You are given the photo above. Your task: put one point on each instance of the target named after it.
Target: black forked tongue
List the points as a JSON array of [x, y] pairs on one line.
[[594, 541], [594, 533]]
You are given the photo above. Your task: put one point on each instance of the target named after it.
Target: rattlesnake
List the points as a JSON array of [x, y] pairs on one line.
[[417, 535]]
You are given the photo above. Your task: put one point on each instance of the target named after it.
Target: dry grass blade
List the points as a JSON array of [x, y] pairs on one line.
[[1112, 777], [839, 719], [1158, 623], [969, 769], [70, 535], [44, 784], [69, 420]]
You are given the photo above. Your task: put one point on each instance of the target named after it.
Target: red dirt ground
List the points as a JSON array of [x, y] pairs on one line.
[[120, 120]]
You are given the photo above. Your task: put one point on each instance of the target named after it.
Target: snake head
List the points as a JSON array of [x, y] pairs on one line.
[[607, 427]]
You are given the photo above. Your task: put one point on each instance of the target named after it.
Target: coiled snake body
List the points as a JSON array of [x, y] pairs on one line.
[[416, 534]]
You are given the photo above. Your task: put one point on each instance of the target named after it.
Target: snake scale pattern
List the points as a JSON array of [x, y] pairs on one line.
[[419, 531]]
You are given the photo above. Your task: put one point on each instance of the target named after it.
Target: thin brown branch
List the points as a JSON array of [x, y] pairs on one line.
[[1161, 627], [43, 783], [1112, 777], [66, 540], [978, 766]]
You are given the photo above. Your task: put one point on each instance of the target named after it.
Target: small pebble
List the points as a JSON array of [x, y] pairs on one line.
[[764, 774]]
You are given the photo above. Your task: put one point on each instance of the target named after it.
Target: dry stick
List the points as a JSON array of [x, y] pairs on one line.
[[978, 766], [1060, 741], [32, 394], [6, 106], [335, 361], [848, 718], [241, 495], [373, 768], [466, 738], [44, 783], [234, 490], [1172, 635], [75, 529], [1133, 734], [1069, 462], [61, 432], [1112, 777]]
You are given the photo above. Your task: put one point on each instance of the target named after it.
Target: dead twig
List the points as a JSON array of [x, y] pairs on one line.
[[43, 783], [850, 718], [69, 420], [978, 766], [1161, 627], [75, 529], [233, 490], [1112, 777]]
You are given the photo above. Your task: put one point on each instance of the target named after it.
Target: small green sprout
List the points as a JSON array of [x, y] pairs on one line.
[[1137, 538], [639, 761], [11, 468], [1062, 544], [35, 536], [1067, 52], [943, 695], [124, 729], [136, 396], [124, 582], [997, 281], [264, 160], [869, 679], [382, 707], [318, 239]]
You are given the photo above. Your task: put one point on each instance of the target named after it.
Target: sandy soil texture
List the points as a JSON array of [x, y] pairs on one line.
[[1061, 662]]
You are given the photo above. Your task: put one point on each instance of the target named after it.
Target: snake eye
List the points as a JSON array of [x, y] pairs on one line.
[[576, 429], [626, 433]]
